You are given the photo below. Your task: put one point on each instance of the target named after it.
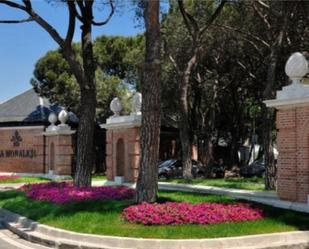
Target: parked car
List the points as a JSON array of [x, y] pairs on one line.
[[172, 168], [257, 168]]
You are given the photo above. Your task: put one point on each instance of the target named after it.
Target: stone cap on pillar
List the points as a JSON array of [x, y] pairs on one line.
[[129, 121], [59, 133], [296, 94]]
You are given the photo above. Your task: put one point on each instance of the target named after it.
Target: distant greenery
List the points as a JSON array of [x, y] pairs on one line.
[[24, 179], [104, 217], [254, 183]]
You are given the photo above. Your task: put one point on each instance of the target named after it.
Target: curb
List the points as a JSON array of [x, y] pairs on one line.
[[62, 239]]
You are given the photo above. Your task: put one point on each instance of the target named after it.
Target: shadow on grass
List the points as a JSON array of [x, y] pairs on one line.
[[288, 217], [38, 210]]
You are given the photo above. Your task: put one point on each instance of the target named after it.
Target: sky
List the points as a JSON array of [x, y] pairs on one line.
[[21, 45]]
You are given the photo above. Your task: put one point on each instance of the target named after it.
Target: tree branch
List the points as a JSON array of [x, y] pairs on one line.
[[30, 19], [189, 20], [245, 33], [71, 27], [28, 4], [262, 17], [267, 7], [174, 64], [112, 6], [13, 5], [82, 9], [44, 24], [213, 16]]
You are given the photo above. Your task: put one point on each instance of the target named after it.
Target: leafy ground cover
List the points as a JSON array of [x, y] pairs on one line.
[[254, 183], [4, 179], [104, 217]]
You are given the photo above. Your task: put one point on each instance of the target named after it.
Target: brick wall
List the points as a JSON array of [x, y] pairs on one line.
[[293, 161], [15, 158]]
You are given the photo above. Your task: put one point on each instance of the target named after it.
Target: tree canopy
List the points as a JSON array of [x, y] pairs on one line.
[[116, 60]]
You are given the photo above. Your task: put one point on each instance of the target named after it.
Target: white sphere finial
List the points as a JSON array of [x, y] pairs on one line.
[[137, 103], [296, 67], [116, 106], [63, 116], [52, 118]]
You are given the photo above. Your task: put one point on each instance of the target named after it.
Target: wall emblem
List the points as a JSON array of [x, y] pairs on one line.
[[16, 139]]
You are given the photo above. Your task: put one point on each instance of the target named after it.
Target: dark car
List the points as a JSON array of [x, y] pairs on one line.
[[256, 168], [172, 168]]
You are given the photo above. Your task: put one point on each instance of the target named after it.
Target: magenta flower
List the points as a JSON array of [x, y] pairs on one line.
[[64, 192], [174, 213]]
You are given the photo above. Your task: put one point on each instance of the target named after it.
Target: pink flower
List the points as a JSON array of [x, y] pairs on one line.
[[173, 213], [64, 192]]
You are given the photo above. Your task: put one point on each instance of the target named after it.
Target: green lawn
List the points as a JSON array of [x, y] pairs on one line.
[[103, 217], [98, 178], [32, 179], [24, 179], [254, 183]]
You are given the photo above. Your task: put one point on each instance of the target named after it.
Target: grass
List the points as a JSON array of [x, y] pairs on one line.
[[24, 179], [98, 178], [32, 179], [254, 183], [104, 217]]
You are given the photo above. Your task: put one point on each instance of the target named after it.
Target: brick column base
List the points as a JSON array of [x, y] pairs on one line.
[[59, 153]]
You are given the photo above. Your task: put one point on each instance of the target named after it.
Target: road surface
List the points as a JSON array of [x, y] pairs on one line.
[[9, 240]]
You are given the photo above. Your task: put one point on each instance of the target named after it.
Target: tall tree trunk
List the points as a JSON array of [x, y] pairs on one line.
[[87, 111], [147, 184], [271, 168], [186, 144], [269, 92]]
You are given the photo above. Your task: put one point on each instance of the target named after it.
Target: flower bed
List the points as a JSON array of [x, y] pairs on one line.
[[4, 178], [64, 192], [172, 213]]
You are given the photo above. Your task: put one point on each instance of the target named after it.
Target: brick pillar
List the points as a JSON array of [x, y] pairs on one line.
[[287, 168], [293, 146], [302, 133], [123, 147], [131, 154], [292, 103], [59, 152]]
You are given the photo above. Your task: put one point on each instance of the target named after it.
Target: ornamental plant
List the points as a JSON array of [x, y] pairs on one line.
[[176, 213], [65, 192]]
